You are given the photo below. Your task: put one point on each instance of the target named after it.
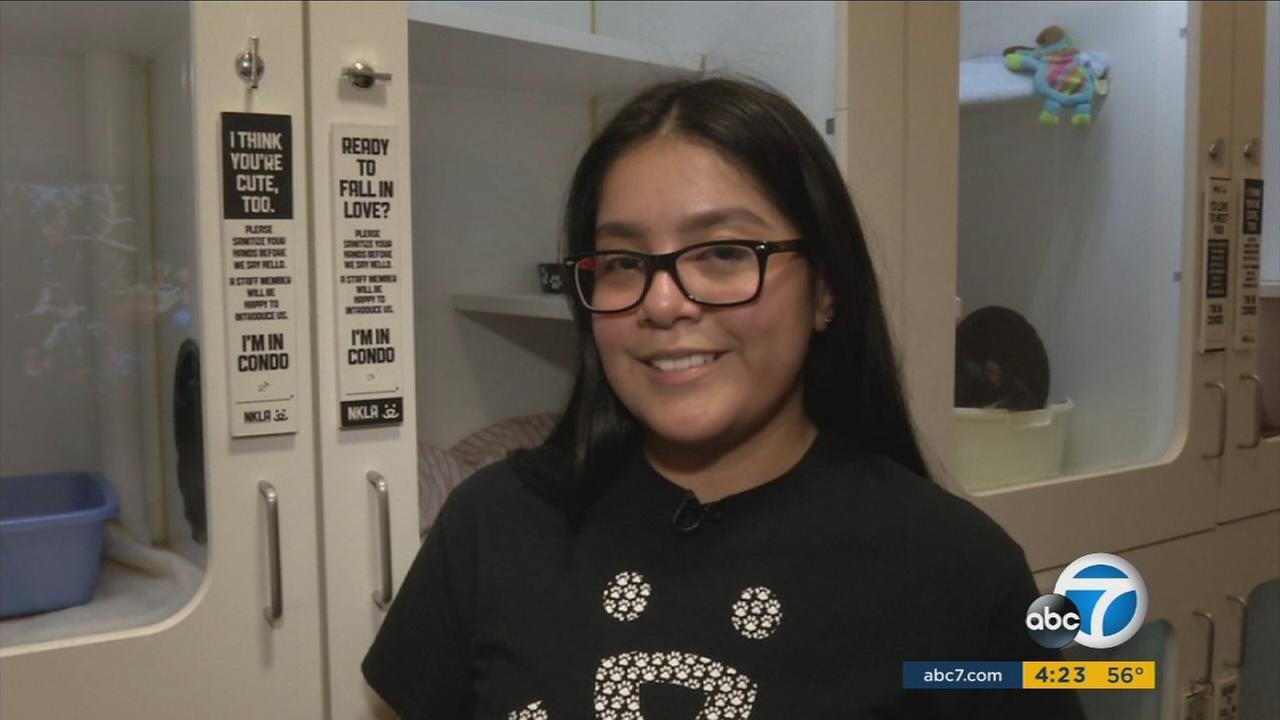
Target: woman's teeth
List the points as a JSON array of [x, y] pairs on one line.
[[684, 363]]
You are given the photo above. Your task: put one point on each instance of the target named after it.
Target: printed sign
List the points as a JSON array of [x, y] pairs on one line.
[[259, 266], [1216, 301], [365, 413], [1248, 265], [367, 242]]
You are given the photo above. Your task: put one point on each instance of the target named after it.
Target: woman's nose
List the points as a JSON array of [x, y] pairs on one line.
[[664, 304]]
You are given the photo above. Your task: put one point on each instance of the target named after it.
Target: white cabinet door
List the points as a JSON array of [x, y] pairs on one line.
[[1091, 231], [114, 234], [1251, 462], [1189, 582], [1178, 575], [364, 327], [1246, 557]]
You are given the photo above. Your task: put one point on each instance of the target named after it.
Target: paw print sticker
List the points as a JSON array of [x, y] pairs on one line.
[[728, 693]]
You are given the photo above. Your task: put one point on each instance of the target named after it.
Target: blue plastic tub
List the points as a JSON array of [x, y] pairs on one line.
[[51, 529]]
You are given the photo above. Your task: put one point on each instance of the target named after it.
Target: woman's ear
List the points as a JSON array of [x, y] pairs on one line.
[[824, 305]]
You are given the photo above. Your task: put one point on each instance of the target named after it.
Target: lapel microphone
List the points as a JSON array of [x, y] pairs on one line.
[[690, 513]]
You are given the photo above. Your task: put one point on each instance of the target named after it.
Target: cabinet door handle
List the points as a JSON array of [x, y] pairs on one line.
[[1250, 150], [249, 65], [1257, 410], [274, 611], [1208, 655], [382, 596], [362, 75], [1222, 420], [1244, 622]]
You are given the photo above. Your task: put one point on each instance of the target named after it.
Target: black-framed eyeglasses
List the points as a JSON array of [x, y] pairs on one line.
[[719, 273]]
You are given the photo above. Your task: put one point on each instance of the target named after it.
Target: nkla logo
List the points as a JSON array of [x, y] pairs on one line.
[[1100, 601]]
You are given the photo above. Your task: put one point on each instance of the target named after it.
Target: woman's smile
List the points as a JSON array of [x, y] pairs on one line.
[[682, 369]]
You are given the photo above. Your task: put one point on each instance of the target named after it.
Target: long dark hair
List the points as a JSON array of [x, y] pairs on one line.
[[852, 387]]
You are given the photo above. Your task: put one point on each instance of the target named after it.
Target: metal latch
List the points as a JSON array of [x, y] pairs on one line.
[[362, 74]]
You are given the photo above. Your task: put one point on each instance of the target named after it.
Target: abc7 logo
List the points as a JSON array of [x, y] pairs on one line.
[[1099, 601]]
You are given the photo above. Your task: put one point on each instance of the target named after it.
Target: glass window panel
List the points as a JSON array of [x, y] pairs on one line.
[[99, 339], [1075, 230], [1259, 691]]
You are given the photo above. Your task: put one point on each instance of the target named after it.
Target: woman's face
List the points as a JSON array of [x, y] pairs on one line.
[[663, 195]]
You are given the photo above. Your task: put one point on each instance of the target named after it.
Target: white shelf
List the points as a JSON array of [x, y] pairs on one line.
[[1269, 289], [984, 80], [550, 306], [454, 46]]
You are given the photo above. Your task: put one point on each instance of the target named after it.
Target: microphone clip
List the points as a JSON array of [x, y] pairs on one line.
[[690, 513]]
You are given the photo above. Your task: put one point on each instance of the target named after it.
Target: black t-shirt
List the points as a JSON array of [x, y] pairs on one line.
[[799, 598]]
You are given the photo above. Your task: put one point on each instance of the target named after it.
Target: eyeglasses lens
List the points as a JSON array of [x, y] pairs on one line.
[[713, 275]]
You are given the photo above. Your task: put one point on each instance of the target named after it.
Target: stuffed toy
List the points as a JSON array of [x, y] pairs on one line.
[[1062, 75]]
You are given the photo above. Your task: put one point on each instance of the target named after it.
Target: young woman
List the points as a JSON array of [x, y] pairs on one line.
[[733, 518]]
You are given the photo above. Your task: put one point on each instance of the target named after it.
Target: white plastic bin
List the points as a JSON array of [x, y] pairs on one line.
[[998, 448]]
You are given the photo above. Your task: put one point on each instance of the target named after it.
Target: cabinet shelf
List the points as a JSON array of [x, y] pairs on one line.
[[984, 80], [536, 305], [139, 585], [453, 46]]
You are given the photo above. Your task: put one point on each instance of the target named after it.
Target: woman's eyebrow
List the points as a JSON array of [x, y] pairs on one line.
[[711, 218], [698, 221], [621, 230]]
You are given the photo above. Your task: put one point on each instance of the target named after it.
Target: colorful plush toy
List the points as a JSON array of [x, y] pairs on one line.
[[1062, 75]]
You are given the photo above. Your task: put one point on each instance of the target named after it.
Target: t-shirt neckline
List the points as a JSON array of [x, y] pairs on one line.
[[664, 496]]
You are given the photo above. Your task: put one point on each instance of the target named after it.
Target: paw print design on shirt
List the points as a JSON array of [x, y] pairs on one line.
[[757, 614], [532, 711], [627, 596], [729, 693]]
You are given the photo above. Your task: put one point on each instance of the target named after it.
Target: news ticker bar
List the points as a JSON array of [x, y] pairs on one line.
[[1029, 675]]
